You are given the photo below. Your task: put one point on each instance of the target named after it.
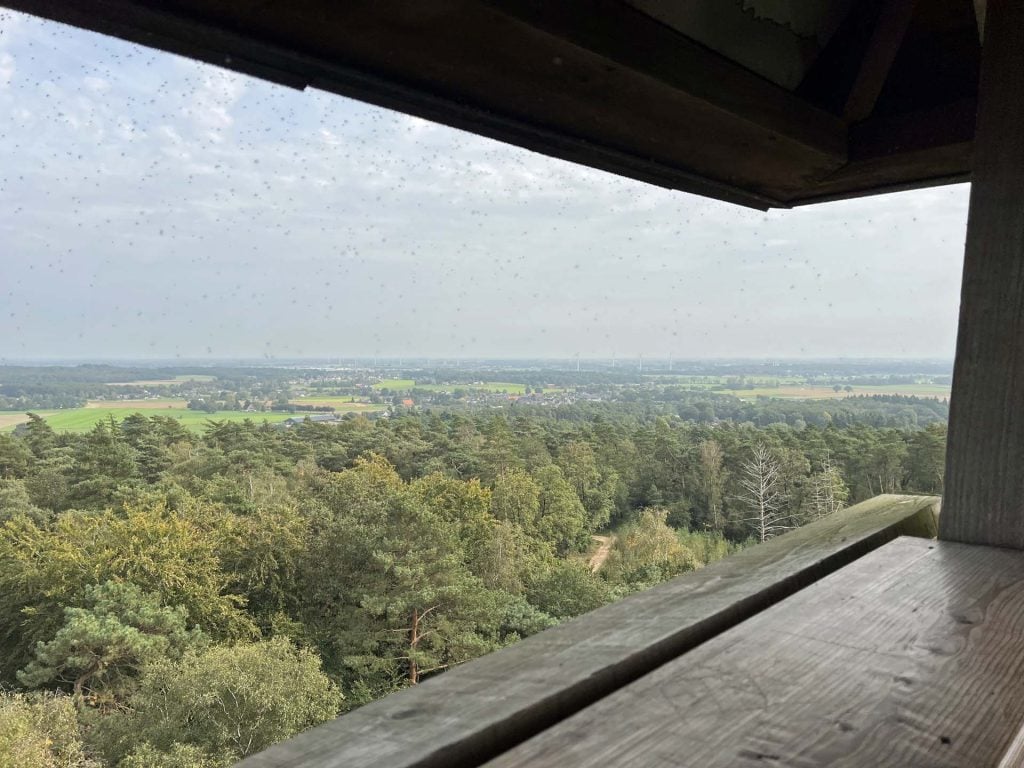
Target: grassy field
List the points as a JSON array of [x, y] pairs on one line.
[[395, 384], [138, 405], [487, 386], [84, 419], [814, 392]]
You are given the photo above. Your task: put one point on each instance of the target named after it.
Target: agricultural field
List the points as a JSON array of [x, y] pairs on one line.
[[10, 419], [938, 391], [486, 386], [821, 392], [182, 379], [395, 384], [84, 419], [339, 404], [139, 405], [719, 382]]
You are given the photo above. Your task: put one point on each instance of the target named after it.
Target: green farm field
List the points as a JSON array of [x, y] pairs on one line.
[[395, 384], [84, 419], [152, 404]]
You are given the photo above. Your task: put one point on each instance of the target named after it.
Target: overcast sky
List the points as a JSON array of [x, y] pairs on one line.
[[151, 206]]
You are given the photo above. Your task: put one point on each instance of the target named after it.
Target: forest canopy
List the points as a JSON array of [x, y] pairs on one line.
[[260, 580]]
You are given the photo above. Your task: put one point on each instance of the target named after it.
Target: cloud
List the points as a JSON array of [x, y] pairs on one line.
[[213, 99], [95, 84], [6, 69]]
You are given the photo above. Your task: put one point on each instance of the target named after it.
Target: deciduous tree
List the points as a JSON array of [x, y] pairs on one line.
[[221, 704]]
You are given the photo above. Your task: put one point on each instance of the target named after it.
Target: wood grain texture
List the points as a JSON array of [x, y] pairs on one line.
[[482, 708], [911, 656], [898, 172], [630, 38], [984, 490]]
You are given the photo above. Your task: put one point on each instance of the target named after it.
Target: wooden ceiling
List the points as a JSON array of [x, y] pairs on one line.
[[766, 103]]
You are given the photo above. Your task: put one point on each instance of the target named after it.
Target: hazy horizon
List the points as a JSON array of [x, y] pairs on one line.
[[484, 357], [158, 208]]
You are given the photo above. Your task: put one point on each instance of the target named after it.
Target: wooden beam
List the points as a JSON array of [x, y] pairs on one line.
[[597, 83], [641, 104], [892, 154], [629, 37], [984, 499], [466, 64], [478, 710], [924, 130], [938, 166], [882, 49], [911, 656]]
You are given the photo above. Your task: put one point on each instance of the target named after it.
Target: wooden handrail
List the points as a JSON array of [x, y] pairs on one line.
[[480, 709]]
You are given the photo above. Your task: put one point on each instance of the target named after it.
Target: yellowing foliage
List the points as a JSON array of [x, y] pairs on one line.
[[170, 554]]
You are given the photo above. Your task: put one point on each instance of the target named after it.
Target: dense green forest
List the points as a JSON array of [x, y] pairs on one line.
[[709, 408], [174, 599]]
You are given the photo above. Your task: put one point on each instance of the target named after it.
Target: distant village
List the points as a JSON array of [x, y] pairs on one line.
[[77, 398]]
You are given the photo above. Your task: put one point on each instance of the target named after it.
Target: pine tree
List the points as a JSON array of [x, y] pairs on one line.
[[107, 642]]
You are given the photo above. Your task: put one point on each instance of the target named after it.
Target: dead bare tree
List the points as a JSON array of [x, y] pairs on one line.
[[761, 483], [712, 480], [828, 491]]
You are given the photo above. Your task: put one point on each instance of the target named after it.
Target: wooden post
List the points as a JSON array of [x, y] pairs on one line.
[[984, 498]]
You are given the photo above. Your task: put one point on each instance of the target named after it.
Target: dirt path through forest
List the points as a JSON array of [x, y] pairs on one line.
[[601, 553]]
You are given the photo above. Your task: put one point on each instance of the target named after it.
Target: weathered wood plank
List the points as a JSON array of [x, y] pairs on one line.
[[979, 12], [933, 145], [984, 478], [482, 708], [882, 49], [897, 172], [911, 656]]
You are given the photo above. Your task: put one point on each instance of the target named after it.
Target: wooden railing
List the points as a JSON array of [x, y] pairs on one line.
[[483, 708]]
